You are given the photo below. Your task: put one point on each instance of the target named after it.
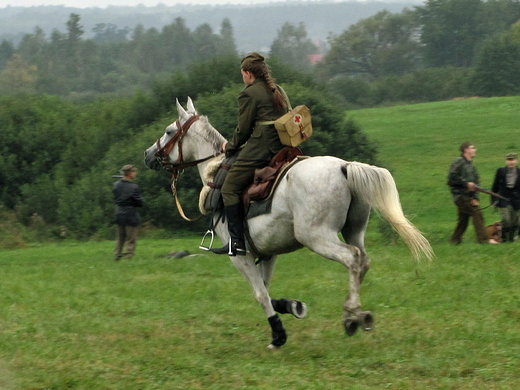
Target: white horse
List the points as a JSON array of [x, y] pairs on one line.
[[318, 198]]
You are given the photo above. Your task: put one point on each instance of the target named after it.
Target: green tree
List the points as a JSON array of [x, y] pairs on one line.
[[205, 42], [497, 70], [18, 76], [226, 46], [292, 46], [6, 51], [74, 29], [32, 45], [451, 31], [380, 45], [109, 32], [177, 43]]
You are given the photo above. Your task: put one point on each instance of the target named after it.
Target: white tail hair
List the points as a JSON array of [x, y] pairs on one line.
[[376, 186]]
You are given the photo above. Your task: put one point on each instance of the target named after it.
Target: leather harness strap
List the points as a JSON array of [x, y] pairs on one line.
[[176, 167]]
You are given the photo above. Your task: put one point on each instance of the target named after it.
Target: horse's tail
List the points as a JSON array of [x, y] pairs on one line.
[[376, 186]]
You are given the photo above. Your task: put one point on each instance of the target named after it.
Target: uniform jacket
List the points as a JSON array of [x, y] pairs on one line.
[[255, 104], [500, 187], [127, 199], [461, 172]]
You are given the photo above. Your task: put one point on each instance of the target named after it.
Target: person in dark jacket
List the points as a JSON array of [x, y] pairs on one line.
[[463, 179], [507, 184], [127, 199], [256, 140]]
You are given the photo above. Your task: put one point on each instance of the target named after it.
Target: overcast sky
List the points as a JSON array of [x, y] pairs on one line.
[[105, 3]]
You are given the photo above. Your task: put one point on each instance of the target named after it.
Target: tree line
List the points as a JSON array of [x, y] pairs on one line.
[[439, 50], [73, 111], [59, 155]]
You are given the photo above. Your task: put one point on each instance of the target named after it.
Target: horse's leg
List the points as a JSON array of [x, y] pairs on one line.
[[247, 267], [266, 268], [282, 306], [353, 233], [326, 243]]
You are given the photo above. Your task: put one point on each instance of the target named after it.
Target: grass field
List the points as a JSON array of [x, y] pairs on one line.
[[72, 318], [419, 142]]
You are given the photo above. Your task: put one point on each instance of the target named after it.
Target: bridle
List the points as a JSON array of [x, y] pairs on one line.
[[177, 167]]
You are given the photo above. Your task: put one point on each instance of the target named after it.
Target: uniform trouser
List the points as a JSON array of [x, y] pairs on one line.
[[466, 211], [509, 217], [125, 235], [240, 176]]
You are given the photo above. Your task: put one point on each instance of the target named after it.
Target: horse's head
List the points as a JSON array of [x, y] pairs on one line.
[[187, 142], [168, 152]]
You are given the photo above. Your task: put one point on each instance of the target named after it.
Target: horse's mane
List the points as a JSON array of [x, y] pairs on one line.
[[208, 175], [208, 132]]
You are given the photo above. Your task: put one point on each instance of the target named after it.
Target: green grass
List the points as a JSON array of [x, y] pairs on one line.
[[419, 142], [72, 318]]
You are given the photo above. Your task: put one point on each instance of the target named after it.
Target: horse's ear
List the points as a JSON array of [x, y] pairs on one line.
[[182, 113], [191, 107]]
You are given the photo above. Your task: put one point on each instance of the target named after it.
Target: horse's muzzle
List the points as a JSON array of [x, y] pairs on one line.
[[150, 160]]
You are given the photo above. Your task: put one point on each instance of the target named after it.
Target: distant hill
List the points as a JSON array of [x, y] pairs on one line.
[[255, 26]]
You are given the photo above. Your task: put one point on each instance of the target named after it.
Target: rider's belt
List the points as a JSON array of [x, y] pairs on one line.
[[264, 123]]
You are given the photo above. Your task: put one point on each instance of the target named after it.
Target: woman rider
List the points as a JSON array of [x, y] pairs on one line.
[[259, 104]]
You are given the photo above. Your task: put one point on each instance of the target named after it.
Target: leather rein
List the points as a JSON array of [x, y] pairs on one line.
[[177, 167]]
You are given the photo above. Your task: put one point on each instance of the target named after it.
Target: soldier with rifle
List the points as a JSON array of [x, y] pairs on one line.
[[463, 180]]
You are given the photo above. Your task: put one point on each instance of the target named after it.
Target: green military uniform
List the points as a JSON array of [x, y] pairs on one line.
[[462, 172], [255, 103]]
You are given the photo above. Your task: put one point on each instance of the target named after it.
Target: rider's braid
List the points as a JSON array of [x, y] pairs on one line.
[[259, 69], [279, 101]]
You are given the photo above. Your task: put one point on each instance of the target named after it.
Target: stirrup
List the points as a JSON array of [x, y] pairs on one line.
[[212, 237]]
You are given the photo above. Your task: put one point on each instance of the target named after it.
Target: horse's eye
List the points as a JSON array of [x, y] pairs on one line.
[[168, 132]]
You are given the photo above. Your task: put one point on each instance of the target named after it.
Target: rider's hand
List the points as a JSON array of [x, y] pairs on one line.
[[471, 186], [224, 146]]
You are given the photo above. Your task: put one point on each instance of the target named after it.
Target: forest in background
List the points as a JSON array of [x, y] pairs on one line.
[[74, 109], [255, 25]]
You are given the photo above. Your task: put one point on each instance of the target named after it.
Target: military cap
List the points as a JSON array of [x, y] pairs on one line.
[[511, 156], [251, 57], [127, 168], [465, 145]]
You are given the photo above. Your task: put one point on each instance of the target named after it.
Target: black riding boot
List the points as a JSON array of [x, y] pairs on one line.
[[236, 245]]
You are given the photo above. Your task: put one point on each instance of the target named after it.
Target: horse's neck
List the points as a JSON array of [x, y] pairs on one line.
[[207, 146]]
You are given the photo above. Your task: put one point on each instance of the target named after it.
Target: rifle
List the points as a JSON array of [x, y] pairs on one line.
[[480, 189]]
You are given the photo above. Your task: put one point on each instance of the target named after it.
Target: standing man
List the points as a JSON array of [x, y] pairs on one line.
[[463, 179], [507, 184], [127, 199]]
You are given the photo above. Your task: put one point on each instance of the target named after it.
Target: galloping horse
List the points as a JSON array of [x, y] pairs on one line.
[[318, 198]]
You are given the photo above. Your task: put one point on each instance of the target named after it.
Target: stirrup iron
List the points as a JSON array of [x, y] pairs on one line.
[[212, 237]]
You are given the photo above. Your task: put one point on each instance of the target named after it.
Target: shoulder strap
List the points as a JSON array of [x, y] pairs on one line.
[[285, 97]]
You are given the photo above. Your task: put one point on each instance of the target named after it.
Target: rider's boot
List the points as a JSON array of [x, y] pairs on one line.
[[236, 245]]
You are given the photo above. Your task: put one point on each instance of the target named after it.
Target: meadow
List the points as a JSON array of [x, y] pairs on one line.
[[72, 318]]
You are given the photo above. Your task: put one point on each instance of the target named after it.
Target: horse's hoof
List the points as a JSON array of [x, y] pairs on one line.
[[298, 309], [366, 320], [273, 347], [351, 324]]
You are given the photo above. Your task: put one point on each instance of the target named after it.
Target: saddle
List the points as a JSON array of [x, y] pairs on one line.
[[265, 178], [257, 198], [263, 186]]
